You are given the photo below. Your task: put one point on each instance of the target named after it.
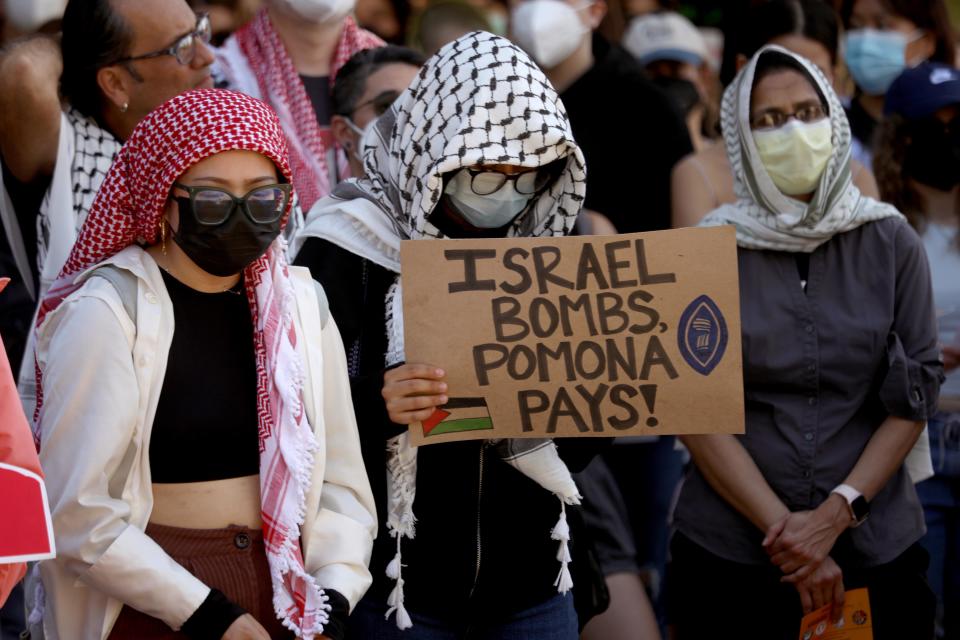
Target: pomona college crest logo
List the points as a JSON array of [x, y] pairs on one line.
[[702, 335]]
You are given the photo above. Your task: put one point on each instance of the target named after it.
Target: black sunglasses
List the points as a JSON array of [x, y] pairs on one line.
[[213, 206]]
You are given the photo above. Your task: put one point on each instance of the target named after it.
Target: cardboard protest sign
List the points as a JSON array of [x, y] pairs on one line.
[[26, 533], [636, 334], [855, 624]]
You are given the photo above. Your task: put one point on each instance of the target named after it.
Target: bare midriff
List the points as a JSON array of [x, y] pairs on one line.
[[208, 505]]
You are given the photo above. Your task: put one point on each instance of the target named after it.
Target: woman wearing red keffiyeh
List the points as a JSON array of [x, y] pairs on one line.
[[288, 56], [194, 410]]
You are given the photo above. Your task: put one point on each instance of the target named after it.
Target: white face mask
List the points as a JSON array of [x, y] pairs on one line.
[[318, 10], [361, 133], [30, 15], [485, 212], [548, 30], [795, 154]]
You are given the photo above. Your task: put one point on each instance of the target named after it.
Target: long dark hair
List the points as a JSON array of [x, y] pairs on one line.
[[889, 154], [813, 19], [94, 36], [926, 14]]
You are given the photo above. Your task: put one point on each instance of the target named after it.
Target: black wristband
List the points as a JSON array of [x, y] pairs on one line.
[[336, 626], [212, 618]]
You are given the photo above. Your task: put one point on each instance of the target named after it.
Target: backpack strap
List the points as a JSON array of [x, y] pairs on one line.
[[125, 282]]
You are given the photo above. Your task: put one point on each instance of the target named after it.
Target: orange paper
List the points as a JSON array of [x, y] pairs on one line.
[[856, 623]]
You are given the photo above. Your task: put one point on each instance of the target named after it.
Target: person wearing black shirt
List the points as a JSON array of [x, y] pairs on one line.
[[630, 133]]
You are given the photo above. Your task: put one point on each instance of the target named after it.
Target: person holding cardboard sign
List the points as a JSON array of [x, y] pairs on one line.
[[479, 146], [841, 370]]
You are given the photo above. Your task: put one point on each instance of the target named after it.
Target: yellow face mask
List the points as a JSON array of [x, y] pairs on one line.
[[795, 154]]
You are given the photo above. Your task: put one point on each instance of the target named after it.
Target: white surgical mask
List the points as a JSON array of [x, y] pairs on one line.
[[548, 30], [30, 15], [485, 212], [355, 152], [795, 154], [318, 10]]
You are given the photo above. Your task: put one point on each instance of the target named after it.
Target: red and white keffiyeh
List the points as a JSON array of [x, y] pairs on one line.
[[128, 209], [281, 87]]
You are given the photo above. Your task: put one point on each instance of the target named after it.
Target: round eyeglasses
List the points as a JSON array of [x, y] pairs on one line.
[[184, 48], [212, 206], [775, 118], [483, 183]]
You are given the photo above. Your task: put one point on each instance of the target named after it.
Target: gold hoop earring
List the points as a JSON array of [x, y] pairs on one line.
[[163, 236]]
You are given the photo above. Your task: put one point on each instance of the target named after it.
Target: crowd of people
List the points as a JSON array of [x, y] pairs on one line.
[[202, 208]]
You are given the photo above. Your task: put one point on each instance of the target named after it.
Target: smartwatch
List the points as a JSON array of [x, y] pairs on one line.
[[857, 505]]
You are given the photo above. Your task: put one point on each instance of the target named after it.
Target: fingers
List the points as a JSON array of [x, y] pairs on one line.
[[412, 392], [414, 409], [411, 371], [805, 598], [774, 532], [822, 594], [799, 575], [839, 597]]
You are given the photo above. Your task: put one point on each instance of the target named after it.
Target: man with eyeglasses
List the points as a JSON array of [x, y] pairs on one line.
[[116, 61], [288, 55], [364, 89]]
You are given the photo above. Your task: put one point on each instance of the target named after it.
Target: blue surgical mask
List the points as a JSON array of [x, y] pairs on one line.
[[875, 58], [485, 212]]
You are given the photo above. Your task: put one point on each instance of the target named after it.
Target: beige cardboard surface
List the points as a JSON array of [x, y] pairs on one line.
[[636, 334]]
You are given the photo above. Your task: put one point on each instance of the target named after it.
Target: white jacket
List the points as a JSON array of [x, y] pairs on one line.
[[101, 381]]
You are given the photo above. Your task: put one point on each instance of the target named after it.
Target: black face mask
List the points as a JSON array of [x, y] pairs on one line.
[[227, 248], [933, 157], [682, 93]]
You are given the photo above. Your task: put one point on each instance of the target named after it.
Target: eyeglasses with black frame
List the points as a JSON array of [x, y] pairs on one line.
[[184, 48], [483, 183], [213, 206], [775, 118], [380, 102]]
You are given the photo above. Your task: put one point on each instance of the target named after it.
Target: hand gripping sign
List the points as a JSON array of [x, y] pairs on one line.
[[635, 334]]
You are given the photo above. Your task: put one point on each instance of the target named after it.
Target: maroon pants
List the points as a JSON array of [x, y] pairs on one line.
[[232, 560]]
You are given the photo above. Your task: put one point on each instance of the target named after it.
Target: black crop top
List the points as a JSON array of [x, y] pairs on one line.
[[206, 423]]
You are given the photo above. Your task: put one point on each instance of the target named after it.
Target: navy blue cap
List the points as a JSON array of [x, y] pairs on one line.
[[921, 90]]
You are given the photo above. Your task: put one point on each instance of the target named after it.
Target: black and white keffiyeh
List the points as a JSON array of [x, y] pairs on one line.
[[766, 218], [85, 151], [478, 101], [94, 149]]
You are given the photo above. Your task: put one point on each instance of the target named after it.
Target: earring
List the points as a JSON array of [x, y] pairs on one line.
[[123, 107], [163, 236]]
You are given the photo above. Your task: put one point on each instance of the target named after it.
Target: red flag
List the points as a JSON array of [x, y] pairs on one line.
[[25, 529]]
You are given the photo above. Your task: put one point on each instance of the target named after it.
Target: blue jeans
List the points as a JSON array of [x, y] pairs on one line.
[[940, 496], [555, 619]]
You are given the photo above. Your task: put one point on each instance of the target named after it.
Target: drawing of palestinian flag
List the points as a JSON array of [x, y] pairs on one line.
[[459, 415]]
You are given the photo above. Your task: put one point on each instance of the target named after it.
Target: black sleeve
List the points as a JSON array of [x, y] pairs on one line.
[[910, 389], [577, 453], [212, 618], [336, 627], [342, 275]]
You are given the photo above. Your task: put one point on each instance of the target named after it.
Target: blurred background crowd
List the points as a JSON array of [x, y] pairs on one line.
[[645, 107]]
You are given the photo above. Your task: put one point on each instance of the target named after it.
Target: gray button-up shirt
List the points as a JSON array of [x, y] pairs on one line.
[[823, 368]]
